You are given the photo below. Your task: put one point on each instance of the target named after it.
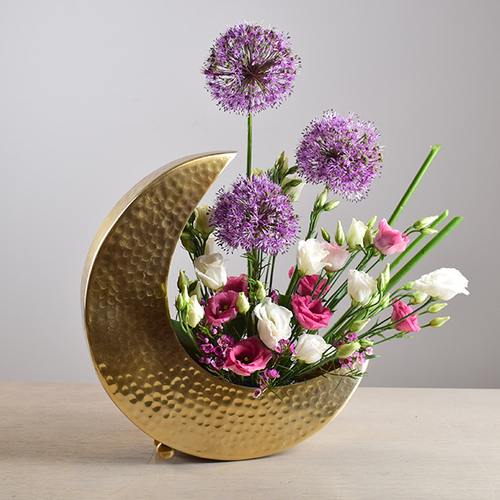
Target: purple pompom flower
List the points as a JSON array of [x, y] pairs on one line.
[[255, 214], [250, 68], [341, 153]]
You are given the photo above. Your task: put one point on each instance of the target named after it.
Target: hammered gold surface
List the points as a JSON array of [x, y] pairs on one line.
[[137, 356]]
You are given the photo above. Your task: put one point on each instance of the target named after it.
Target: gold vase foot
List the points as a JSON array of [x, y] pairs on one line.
[[164, 451]]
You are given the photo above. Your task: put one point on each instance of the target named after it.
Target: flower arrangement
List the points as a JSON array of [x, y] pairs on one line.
[[241, 328]]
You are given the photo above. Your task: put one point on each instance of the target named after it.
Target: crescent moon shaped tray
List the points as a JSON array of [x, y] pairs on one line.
[[136, 354]]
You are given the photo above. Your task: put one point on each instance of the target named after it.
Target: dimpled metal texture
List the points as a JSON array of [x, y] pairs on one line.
[[135, 351]]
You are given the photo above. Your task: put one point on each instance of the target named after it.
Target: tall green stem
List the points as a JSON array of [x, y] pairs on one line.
[[250, 264], [413, 185], [420, 255], [249, 146], [416, 241]]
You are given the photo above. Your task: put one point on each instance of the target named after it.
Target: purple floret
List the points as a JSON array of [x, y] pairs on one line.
[[341, 153], [255, 214], [250, 68]]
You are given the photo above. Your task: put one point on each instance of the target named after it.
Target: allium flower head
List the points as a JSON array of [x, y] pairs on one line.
[[341, 153], [254, 214], [250, 68]]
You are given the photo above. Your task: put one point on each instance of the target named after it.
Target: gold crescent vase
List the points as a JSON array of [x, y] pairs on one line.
[[135, 351]]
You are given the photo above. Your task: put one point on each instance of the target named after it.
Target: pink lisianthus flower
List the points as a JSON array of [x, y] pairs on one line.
[[236, 284], [248, 356], [389, 240], [221, 307], [336, 258], [400, 310], [307, 283], [310, 313]]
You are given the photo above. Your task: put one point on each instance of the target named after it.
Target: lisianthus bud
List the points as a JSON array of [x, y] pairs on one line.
[[435, 308], [242, 304], [356, 234], [187, 242], [408, 286], [292, 187], [345, 350], [326, 235], [182, 281], [438, 322], [196, 312], [182, 301], [282, 163], [310, 348], [321, 199], [211, 271], [202, 220], [358, 325], [194, 288], [427, 230], [260, 293], [371, 222], [424, 222], [368, 238], [331, 205], [339, 234], [365, 342], [360, 286], [418, 297], [384, 278], [386, 300]]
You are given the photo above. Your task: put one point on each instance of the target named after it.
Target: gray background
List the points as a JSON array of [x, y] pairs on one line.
[[97, 94]]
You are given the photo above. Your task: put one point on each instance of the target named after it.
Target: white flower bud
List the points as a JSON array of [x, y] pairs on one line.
[[310, 348], [345, 350], [360, 286], [211, 271], [242, 304], [356, 234], [196, 312]]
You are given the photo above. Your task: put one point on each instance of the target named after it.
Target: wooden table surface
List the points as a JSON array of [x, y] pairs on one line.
[[69, 441]]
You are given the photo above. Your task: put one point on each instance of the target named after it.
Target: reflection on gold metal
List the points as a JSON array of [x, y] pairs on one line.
[[135, 351], [164, 451]]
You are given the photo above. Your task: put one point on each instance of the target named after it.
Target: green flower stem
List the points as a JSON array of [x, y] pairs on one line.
[[417, 240], [249, 146], [342, 290], [423, 252], [249, 174], [413, 185]]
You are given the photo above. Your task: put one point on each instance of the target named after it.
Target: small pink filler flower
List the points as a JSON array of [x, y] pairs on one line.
[[389, 240], [400, 310], [248, 356]]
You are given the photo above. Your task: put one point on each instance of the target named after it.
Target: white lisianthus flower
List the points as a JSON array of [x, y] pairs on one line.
[[310, 253], [356, 234], [273, 322], [202, 220], [310, 348], [210, 245], [196, 312], [443, 284], [210, 270], [360, 286]]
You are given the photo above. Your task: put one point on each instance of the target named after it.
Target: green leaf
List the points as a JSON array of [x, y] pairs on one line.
[[185, 340]]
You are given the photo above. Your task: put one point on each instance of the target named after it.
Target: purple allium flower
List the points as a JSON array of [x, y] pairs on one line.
[[250, 68], [341, 153], [254, 214]]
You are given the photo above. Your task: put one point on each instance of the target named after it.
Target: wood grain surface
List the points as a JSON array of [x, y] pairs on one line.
[[69, 441]]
